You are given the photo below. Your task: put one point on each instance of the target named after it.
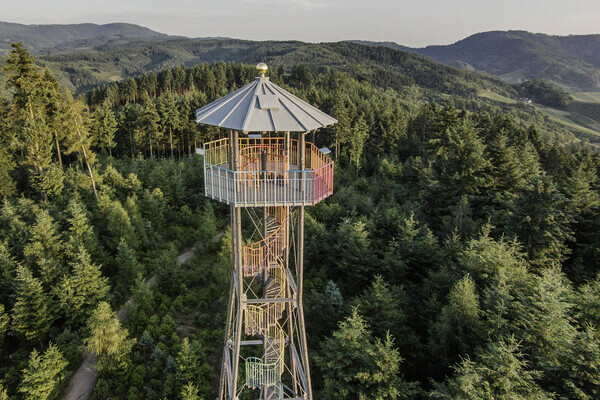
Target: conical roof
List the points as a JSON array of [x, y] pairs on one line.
[[262, 106]]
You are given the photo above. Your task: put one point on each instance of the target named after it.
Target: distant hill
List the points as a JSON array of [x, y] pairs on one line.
[[515, 56], [379, 65], [43, 38]]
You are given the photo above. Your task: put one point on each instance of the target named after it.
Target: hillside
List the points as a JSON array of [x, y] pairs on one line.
[[457, 258], [572, 61], [382, 66], [415, 79], [42, 38]]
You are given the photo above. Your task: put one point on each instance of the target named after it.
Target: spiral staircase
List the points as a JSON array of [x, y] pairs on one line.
[[263, 260]]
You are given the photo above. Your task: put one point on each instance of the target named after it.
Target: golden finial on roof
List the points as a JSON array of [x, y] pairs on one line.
[[262, 68]]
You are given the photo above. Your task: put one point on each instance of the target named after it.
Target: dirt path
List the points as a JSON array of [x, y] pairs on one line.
[[82, 382]]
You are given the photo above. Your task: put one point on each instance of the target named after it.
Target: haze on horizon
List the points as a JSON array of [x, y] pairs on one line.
[[411, 23]]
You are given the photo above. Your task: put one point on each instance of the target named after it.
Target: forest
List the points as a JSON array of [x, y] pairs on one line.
[[457, 259]]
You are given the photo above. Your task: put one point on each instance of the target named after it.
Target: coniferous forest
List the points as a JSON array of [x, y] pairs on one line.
[[458, 258]]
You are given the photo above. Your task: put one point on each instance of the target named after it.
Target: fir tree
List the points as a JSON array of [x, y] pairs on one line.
[[108, 340], [189, 392], [501, 373], [78, 137], [354, 366], [4, 324], [358, 138], [105, 126], [45, 249], [28, 119], [43, 375], [80, 292], [169, 116], [31, 313], [80, 232]]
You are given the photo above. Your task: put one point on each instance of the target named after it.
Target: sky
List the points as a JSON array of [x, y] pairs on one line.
[[412, 23]]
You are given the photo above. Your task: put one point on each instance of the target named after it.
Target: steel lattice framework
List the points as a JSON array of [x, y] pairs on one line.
[[267, 182]]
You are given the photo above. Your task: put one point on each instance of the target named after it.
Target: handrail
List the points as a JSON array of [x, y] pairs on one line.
[[261, 254], [276, 183]]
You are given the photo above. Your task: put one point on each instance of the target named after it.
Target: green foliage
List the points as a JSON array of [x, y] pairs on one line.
[[4, 324], [546, 93], [44, 252], [31, 316], [43, 375], [458, 329], [108, 341], [354, 365], [80, 292], [500, 374], [189, 392]]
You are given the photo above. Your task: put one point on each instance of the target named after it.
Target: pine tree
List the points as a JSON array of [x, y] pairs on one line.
[[188, 363], [80, 292], [44, 252], [458, 329], [354, 259], [105, 126], [358, 138], [78, 137], [7, 165], [354, 366], [169, 116], [8, 267], [43, 375], [4, 325], [3, 393], [80, 231], [108, 341], [30, 314], [189, 392], [541, 221], [343, 129], [28, 121], [128, 268], [501, 373], [148, 125]]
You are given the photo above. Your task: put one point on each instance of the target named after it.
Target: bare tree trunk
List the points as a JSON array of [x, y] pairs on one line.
[[171, 139], [89, 168], [57, 148]]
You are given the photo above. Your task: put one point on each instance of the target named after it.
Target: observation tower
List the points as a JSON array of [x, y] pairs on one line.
[[266, 178]]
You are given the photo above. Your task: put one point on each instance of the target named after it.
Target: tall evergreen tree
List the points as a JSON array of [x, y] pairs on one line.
[[78, 137], [4, 324], [105, 126], [108, 340], [28, 119], [354, 366], [43, 375], [501, 373], [169, 116], [357, 140], [80, 292], [31, 313], [44, 252]]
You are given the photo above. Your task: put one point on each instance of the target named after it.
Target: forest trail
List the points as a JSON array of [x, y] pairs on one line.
[[82, 382]]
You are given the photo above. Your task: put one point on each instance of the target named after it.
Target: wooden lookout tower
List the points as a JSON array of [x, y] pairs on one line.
[[267, 177]]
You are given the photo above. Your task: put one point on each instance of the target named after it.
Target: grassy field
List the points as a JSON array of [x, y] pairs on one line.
[[497, 97], [572, 121], [587, 97]]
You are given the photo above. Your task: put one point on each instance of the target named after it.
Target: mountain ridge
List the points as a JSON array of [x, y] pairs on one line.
[[39, 37], [571, 61]]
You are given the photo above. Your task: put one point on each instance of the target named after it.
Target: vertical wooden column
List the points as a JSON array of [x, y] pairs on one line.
[[300, 270], [236, 234], [287, 143]]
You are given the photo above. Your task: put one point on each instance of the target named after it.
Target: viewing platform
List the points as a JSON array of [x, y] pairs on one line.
[[268, 173]]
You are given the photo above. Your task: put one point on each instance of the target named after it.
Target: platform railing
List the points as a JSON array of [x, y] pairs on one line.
[[275, 186]]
